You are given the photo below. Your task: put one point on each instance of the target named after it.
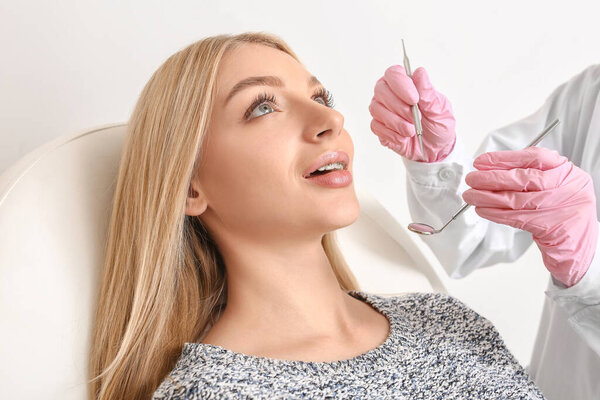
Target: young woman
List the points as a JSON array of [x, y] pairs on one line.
[[222, 275]]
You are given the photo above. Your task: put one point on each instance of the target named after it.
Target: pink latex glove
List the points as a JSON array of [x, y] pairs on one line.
[[542, 192], [393, 121]]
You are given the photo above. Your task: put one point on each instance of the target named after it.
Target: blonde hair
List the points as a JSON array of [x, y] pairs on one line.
[[164, 280]]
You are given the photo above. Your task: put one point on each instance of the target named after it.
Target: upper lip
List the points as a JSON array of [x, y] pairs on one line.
[[328, 157]]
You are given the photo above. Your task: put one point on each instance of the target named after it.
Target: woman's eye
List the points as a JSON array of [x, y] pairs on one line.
[[326, 96], [260, 107], [262, 103]]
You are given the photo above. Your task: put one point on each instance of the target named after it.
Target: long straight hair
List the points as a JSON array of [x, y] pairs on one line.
[[164, 281]]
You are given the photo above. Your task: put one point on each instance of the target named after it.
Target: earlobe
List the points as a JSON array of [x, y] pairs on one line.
[[196, 202]]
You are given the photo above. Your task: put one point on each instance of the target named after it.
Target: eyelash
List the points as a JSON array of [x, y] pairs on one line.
[[265, 97]]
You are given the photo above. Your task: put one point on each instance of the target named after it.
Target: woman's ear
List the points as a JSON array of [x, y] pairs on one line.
[[196, 202]]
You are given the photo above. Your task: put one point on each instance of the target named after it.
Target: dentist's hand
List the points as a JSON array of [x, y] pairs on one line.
[[542, 192], [393, 121]]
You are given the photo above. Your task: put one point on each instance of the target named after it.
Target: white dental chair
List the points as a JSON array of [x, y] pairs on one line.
[[54, 209]]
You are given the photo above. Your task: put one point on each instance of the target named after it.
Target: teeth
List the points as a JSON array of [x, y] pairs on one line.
[[336, 165]]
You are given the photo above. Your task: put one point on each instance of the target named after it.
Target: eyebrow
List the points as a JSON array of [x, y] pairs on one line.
[[264, 81]]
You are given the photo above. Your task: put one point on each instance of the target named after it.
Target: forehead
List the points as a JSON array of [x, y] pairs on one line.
[[251, 59]]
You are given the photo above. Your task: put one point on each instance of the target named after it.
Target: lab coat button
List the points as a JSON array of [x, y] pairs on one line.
[[446, 174]]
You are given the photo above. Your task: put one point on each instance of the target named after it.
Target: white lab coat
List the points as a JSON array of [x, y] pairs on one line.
[[566, 359]]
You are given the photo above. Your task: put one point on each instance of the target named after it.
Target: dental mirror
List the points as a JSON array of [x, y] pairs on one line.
[[425, 229]]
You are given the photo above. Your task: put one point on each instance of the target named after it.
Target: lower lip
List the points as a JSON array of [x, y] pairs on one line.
[[333, 179]]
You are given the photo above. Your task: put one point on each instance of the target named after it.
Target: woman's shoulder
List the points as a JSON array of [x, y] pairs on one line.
[[412, 300], [439, 320], [428, 309]]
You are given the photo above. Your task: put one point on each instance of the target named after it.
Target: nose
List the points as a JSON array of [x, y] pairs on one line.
[[321, 122]]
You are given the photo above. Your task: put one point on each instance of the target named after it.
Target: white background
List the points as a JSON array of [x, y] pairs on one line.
[[71, 65]]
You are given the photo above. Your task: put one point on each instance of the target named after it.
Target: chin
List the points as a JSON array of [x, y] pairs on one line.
[[342, 214]]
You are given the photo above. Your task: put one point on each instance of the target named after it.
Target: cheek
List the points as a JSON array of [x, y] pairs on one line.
[[253, 179]]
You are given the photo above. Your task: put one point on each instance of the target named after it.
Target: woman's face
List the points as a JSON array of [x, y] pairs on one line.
[[251, 176]]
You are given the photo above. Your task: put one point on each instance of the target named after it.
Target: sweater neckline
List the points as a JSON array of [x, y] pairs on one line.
[[377, 356]]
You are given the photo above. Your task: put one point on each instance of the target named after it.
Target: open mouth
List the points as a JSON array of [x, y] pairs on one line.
[[322, 172], [334, 167]]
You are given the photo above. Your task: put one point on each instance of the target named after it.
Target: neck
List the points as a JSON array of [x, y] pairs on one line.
[[291, 288]]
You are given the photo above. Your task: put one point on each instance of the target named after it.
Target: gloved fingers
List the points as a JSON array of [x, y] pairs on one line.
[[565, 240], [551, 228], [400, 144], [519, 179], [569, 254], [528, 220], [391, 120], [509, 200], [531, 157], [388, 135], [401, 85], [406, 149], [432, 104], [439, 130], [384, 95]]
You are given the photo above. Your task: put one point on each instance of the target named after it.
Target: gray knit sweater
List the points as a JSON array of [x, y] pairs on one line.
[[438, 348]]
